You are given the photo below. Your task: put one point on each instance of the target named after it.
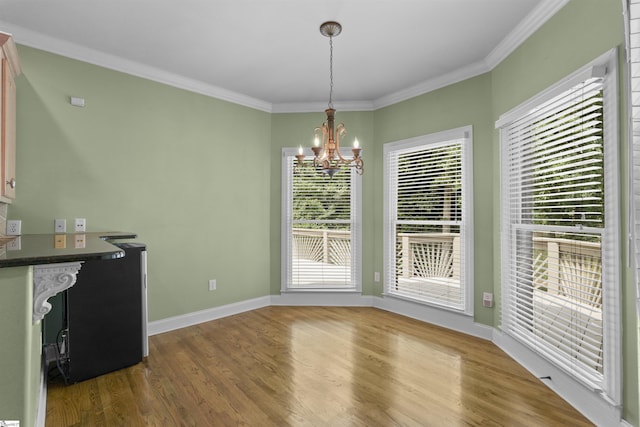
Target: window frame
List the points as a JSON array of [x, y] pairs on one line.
[[605, 66], [631, 13], [466, 224], [288, 167]]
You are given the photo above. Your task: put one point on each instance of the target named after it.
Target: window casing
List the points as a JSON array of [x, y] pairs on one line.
[[428, 219], [632, 27], [559, 227], [321, 238]]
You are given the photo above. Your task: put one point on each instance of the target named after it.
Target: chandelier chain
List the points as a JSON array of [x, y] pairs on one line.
[[330, 72], [326, 149]]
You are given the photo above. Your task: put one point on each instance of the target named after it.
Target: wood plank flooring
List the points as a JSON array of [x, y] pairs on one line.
[[314, 366]]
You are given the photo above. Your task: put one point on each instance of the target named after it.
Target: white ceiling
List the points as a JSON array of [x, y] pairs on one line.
[[270, 55]]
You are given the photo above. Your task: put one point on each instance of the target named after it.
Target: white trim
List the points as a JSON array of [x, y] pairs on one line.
[[196, 317], [456, 76], [630, 67], [593, 69], [612, 347], [596, 407], [74, 51], [611, 241], [433, 140], [41, 414], [451, 320], [531, 23], [286, 220], [588, 403], [442, 317], [326, 299], [534, 20], [319, 107], [285, 245]]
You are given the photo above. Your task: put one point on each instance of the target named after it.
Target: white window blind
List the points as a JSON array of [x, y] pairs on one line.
[[320, 227], [633, 43], [559, 252], [428, 240]]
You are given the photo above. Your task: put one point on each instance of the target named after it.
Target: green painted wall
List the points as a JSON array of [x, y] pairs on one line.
[[189, 173], [577, 34], [142, 156], [461, 104], [20, 349]]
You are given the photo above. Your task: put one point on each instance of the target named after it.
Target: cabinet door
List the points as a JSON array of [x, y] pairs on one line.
[[8, 131]]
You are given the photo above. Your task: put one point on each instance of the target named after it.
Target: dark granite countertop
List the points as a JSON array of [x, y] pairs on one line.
[[35, 249]]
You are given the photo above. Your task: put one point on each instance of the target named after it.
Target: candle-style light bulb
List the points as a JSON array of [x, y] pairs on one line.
[[316, 141], [356, 144], [300, 150]]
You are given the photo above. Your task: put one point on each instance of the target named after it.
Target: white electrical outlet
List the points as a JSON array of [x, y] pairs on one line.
[[60, 226], [376, 276], [81, 225], [15, 244], [487, 299], [14, 227], [212, 284], [80, 241]]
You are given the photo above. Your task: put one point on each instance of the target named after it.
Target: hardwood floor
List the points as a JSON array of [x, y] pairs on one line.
[[314, 366]]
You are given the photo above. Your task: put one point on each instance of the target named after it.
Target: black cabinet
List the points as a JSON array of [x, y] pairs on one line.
[[106, 315]]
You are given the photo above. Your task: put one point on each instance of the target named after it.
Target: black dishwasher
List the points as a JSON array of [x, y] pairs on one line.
[[106, 315]]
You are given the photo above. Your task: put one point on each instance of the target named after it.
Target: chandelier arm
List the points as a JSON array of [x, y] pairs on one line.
[[340, 130]]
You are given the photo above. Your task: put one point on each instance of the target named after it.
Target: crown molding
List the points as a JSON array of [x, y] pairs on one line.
[[531, 23], [36, 40], [314, 107], [456, 76]]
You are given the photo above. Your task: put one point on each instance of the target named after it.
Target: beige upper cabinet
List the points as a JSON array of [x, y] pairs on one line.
[[10, 70]]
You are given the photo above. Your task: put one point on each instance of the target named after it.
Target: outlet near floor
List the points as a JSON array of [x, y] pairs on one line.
[[212, 284]]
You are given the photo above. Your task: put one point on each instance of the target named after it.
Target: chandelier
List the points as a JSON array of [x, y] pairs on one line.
[[326, 145]]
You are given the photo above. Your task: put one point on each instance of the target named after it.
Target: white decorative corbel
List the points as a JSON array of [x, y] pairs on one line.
[[48, 280]]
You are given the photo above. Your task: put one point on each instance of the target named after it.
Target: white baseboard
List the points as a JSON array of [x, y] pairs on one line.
[[445, 318], [190, 319], [588, 402], [41, 414], [329, 299]]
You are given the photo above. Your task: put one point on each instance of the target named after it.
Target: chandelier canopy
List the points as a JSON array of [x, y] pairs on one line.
[[326, 145]]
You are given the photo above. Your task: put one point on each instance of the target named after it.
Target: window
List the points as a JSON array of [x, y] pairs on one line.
[[320, 227], [560, 226], [428, 219]]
